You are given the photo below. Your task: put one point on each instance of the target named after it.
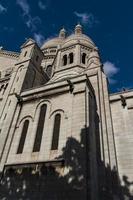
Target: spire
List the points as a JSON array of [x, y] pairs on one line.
[[78, 29], [62, 33]]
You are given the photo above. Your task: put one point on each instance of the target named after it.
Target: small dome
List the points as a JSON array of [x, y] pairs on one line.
[[52, 43], [55, 41], [78, 38], [78, 29], [62, 33]]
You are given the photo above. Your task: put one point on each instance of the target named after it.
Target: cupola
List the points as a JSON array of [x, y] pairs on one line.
[[78, 29]]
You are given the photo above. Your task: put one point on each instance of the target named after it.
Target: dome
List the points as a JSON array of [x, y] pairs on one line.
[[52, 43], [78, 38]]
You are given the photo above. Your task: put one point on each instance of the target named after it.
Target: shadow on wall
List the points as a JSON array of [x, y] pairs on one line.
[[53, 182]]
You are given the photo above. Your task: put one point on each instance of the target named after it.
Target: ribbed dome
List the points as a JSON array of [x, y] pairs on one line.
[[81, 38], [52, 43]]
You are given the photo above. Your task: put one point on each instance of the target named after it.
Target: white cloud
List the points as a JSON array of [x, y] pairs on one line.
[[86, 18], [110, 70], [41, 5], [24, 6], [39, 38], [2, 8], [31, 22]]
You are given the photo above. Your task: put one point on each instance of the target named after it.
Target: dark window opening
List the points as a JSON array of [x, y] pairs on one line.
[[84, 58], [53, 51], [25, 54], [49, 70], [23, 137], [2, 86], [5, 86], [56, 131], [37, 58], [65, 60], [40, 126], [71, 57]]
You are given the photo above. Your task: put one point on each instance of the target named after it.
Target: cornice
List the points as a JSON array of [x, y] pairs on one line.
[[10, 54], [52, 88]]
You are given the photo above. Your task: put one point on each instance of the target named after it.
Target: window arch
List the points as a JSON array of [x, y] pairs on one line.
[[49, 70], [2, 86], [71, 58], [65, 60], [84, 58], [25, 53], [40, 126], [56, 132], [23, 137]]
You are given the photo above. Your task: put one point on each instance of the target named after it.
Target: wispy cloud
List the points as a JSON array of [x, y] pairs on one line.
[[86, 18], [39, 38], [31, 22], [2, 9], [24, 6], [41, 5], [110, 70]]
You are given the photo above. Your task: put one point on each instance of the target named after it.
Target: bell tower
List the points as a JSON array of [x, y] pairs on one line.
[[75, 55]]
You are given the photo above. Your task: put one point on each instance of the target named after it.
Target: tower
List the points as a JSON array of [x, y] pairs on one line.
[[26, 74]]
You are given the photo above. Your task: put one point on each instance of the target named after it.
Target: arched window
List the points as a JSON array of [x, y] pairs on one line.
[[23, 137], [49, 70], [56, 131], [71, 58], [65, 60], [2, 86], [40, 126], [84, 58], [25, 53]]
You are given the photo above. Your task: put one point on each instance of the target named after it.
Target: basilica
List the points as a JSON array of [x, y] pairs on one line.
[[63, 136]]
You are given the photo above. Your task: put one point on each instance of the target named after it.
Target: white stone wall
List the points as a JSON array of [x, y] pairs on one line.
[[123, 132]]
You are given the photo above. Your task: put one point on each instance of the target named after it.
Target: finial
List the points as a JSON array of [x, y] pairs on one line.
[[62, 33], [78, 29]]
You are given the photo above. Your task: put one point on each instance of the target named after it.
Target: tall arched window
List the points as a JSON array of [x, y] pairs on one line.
[[71, 58], [23, 137], [40, 126], [84, 58], [65, 60], [25, 53], [49, 70], [56, 131]]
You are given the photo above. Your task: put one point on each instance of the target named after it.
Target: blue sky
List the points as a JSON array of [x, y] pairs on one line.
[[108, 22]]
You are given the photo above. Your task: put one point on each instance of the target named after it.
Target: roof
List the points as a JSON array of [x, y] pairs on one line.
[[75, 38], [52, 43], [78, 37]]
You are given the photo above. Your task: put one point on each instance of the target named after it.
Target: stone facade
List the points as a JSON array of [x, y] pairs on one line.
[[87, 152]]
